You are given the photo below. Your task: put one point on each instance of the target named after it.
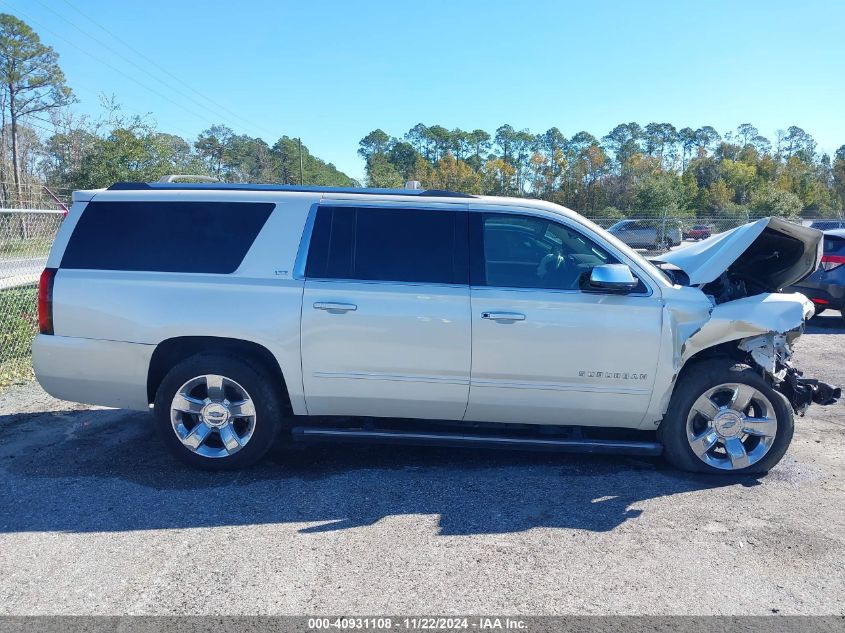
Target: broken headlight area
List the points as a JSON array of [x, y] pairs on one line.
[[772, 353]]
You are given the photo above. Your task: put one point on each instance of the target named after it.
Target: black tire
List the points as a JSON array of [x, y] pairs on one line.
[[695, 381], [265, 395], [818, 309]]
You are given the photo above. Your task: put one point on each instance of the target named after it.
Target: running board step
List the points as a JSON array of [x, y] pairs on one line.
[[438, 438]]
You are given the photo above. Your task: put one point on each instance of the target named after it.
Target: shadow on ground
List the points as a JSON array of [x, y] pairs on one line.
[[105, 470]]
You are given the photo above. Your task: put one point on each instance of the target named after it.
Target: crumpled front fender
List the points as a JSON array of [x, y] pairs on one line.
[[750, 316], [693, 324]]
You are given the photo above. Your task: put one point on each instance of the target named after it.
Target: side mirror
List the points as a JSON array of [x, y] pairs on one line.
[[612, 278]]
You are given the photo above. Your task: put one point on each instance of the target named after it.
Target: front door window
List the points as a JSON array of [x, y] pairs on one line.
[[522, 251]]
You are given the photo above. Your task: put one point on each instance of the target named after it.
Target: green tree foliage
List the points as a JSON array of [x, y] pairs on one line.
[[125, 154], [404, 159], [135, 151], [656, 193], [382, 173], [838, 175], [31, 82], [633, 170], [212, 146], [769, 200], [376, 142]]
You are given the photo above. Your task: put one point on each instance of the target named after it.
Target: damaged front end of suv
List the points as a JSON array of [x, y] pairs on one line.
[[772, 353], [740, 273]]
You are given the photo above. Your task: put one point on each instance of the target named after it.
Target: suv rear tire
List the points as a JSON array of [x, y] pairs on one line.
[[724, 418], [216, 412]]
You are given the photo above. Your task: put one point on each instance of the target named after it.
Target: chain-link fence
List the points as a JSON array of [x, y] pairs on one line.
[[25, 239], [655, 235], [27, 234]]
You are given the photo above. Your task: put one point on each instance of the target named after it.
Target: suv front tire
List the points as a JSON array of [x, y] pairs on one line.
[[724, 418]]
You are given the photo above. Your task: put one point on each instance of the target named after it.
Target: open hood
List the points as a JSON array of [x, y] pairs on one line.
[[770, 252]]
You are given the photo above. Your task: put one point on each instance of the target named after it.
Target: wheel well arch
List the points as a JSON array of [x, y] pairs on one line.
[[727, 350], [174, 350]]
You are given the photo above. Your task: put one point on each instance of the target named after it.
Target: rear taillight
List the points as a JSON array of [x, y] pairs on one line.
[[45, 301], [831, 262]]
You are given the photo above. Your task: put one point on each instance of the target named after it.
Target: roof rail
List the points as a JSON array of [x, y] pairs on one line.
[[177, 177], [224, 186]]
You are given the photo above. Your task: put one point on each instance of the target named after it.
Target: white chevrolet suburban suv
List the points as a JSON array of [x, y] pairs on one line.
[[249, 314]]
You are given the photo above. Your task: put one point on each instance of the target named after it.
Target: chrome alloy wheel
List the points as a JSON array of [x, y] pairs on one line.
[[731, 426], [212, 416]]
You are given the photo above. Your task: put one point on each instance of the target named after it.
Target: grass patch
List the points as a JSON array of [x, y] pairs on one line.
[[37, 247], [18, 326], [15, 372]]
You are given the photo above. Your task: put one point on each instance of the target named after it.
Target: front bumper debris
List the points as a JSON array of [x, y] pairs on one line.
[[772, 353], [802, 391]]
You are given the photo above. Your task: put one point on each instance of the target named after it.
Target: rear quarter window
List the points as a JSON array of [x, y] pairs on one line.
[[189, 237]]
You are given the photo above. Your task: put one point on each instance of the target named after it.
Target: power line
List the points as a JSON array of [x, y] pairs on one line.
[[164, 70], [115, 69], [32, 116], [25, 122], [157, 78]]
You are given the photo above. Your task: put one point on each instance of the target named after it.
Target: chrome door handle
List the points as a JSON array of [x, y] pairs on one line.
[[503, 316], [332, 306]]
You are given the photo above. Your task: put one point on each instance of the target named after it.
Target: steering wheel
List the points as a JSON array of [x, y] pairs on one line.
[[561, 271]]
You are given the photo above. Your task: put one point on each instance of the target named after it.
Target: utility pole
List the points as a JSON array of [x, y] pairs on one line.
[[300, 161]]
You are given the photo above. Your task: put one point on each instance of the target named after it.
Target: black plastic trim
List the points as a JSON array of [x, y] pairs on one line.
[[500, 441]]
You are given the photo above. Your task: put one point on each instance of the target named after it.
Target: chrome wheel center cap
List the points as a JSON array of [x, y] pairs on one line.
[[215, 414], [728, 423]]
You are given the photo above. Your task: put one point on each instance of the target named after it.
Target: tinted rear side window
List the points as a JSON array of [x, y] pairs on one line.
[[387, 244], [189, 237]]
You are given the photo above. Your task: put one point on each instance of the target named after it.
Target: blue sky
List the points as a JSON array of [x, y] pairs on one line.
[[333, 71]]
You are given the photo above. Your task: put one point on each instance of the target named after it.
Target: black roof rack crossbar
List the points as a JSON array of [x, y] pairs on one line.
[[204, 186]]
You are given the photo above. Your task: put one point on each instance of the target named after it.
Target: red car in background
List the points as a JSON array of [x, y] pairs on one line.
[[698, 232]]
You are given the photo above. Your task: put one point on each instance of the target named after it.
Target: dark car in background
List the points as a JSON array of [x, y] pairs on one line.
[[827, 225], [826, 286]]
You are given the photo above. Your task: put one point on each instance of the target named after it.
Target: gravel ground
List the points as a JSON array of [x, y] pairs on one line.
[[97, 519]]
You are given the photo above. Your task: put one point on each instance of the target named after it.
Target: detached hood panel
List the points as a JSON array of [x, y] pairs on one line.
[[770, 252]]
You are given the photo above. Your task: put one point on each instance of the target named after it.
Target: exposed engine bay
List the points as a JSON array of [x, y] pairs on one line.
[[770, 259], [758, 269], [729, 287]]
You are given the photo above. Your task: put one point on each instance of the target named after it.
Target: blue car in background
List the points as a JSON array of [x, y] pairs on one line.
[[826, 286]]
